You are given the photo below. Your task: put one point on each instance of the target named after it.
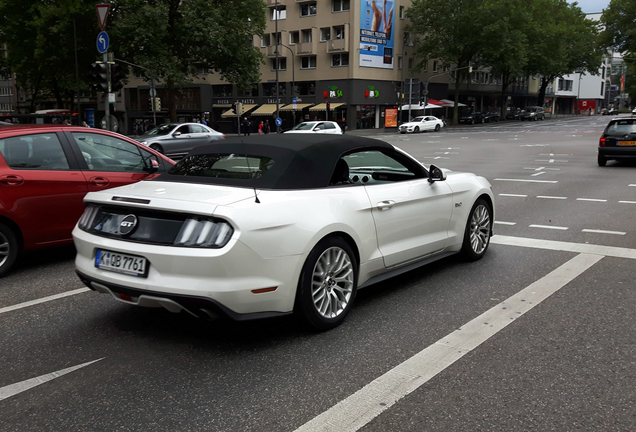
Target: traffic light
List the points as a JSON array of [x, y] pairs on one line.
[[327, 112], [239, 108], [235, 108], [98, 77], [157, 104], [116, 77]]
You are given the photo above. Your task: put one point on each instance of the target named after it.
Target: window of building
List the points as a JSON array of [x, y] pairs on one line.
[[306, 88], [401, 12], [265, 40], [340, 5], [308, 9], [435, 65], [277, 38], [338, 60], [222, 90], [400, 62], [339, 31], [269, 89], [603, 73], [306, 35], [280, 13], [294, 37], [325, 34], [250, 92], [308, 62], [411, 63], [282, 63]]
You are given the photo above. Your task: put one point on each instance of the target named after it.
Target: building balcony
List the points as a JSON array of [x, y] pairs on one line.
[[306, 48], [272, 3], [338, 45], [270, 51]]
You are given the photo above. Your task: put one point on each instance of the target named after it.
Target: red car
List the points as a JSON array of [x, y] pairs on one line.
[[45, 171]]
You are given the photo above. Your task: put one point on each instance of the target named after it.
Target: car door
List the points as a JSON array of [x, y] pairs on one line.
[[41, 186], [319, 128], [411, 215], [180, 141], [199, 135], [430, 123], [108, 161]]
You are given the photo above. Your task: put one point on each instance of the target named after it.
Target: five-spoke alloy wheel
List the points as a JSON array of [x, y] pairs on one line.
[[478, 230]]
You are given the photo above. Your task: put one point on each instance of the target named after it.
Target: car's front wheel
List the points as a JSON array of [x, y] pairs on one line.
[[437, 127], [8, 249], [327, 285], [416, 130], [602, 160], [477, 233]]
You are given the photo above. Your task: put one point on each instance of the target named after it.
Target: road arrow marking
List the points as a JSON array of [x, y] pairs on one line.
[[14, 389]]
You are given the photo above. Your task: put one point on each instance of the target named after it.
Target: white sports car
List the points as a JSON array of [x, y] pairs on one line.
[[263, 226], [422, 123]]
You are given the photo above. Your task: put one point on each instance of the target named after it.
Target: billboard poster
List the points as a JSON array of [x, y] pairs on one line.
[[390, 117], [376, 33]]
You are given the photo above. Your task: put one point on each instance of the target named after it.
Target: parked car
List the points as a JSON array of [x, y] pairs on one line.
[[491, 117], [175, 140], [472, 118], [515, 114], [319, 127], [618, 140], [609, 111], [45, 171], [533, 113], [270, 225], [422, 124]]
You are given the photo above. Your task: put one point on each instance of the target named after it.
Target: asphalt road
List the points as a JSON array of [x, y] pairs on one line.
[[539, 335]]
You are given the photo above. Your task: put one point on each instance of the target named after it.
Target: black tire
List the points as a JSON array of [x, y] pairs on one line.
[[477, 232], [602, 160], [338, 284], [157, 147], [8, 249], [416, 130], [437, 127]]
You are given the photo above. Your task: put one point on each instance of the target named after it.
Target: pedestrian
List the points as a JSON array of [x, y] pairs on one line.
[[246, 127], [85, 124], [260, 128], [203, 122], [266, 127], [589, 111]]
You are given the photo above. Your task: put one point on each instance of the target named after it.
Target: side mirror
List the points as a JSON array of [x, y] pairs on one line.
[[176, 134], [435, 174], [151, 164]]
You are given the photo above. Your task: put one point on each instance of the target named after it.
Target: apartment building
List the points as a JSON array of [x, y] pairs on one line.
[[7, 89]]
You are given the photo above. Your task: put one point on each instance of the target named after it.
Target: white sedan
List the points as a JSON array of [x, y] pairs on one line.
[[270, 225], [421, 124], [320, 127]]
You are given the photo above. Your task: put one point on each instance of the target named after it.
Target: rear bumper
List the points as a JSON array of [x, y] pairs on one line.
[[617, 152]]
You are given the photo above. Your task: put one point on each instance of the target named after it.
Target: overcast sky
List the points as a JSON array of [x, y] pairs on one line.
[[591, 6]]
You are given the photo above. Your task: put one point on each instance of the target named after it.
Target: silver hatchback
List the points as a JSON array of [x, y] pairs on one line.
[[175, 140]]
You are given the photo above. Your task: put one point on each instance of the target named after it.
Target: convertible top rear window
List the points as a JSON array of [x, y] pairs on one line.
[[226, 166]]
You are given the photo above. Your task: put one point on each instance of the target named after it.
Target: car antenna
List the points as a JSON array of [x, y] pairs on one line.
[[249, 169]]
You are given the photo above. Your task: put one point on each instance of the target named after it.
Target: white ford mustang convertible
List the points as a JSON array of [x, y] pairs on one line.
[[278, 224]]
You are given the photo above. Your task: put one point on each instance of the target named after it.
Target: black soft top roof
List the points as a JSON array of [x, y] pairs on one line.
[[301, 161]]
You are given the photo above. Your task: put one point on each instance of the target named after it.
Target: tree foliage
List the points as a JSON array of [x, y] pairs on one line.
[[619, 20], [176, 39]]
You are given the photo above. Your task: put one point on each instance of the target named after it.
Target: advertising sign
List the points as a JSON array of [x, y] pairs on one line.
[[390, 117], [376, 34]]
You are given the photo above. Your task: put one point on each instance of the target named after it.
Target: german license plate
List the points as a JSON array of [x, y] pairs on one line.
[[626, 143], [121, 263]]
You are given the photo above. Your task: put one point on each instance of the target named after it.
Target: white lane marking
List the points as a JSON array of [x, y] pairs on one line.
[[14, 389], [550, 160], [553, 154], [537, 174], [526, 180], [505, 223], [551, 197], [379, 395], [543, 169], [603, 231], [632, 184], [553, 227], [446, 153], [627, 202], [591, 199], [611, 251], [513, 195], [534, 145], [43, 300], [435, 157]]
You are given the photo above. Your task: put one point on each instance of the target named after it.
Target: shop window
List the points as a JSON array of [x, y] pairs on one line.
[[282, 64], [338, 60], [250, 92], [365, 116], [308, 9], [325, 34], [269, 89], [308, 62], [340, 5]]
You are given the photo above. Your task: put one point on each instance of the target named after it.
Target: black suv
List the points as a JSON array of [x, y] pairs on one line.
[[534, 113], [618, 140], [472, 118]]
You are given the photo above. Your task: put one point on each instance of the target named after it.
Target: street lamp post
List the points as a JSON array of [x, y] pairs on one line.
[[276, 53], [293, 77]]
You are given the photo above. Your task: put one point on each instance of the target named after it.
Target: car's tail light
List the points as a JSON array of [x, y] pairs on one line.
[[224, 136], [87, 218], [204, 233], [601, 142]]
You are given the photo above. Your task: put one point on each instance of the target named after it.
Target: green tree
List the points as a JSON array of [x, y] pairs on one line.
[[620, 29], [41, 46], [563, 41], [177, 39]]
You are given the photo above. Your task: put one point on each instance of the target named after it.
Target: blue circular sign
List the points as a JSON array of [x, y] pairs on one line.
[[279, 121], [102, 42]]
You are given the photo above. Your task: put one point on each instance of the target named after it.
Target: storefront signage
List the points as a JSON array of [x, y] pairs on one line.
[[222, 102], [371, 93], [247, 101], [333, 92], [272, 101]]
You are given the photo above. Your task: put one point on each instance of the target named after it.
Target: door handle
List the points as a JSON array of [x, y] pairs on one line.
[[99, 181], [385, 205], [11, 180]]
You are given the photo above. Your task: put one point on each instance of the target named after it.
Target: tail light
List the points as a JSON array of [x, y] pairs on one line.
[[224, 136], [87, 218], [601, 142]]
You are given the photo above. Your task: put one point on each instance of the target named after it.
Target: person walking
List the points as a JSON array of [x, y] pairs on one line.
[[266, 127], [260, 128], [246, 127]]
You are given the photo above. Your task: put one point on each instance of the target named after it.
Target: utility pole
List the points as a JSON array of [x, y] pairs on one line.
[[277, 65]]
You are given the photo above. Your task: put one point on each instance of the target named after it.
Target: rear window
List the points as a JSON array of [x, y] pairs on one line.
[[228, 166], [621, 127]]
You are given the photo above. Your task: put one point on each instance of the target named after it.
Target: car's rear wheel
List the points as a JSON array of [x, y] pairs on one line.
[[417, 129], [602, 160], [327, 285], [157, 147], [437, 127], [478, 229], [8, 249]]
